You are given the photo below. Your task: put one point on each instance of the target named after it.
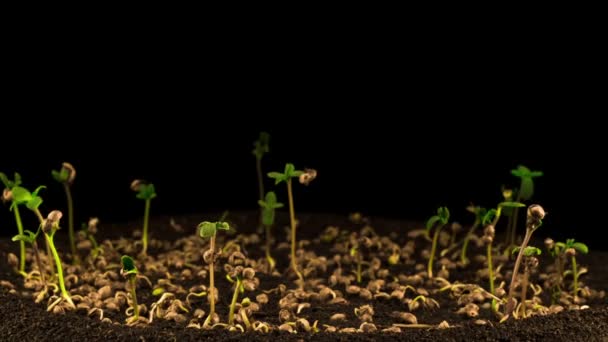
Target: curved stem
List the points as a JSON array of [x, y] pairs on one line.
[[235, 296], [574, 276], [433, 250], [465, 244], [68, 196], [133, 284], [292, 218], [144, 237], [64, 292], [509, 306], [21, 243]]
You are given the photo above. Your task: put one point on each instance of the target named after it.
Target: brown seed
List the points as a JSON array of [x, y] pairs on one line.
[[285, 315], [248, 273], [367, 327], [443, 325], [262, 298], [392, 330], [353, 289], [347, 330], [7, 284], [365, 294], [407, 317], [302, 324], [330, 328], [338, 317], [286, 327], [105, 292], [12, 260], [112, 306]]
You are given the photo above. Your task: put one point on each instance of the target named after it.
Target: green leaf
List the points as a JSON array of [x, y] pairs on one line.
[[581, 247], [128, 265], [206, 229], [158, 291], [34, 203], [35, 193], [488, 217], [535, 174], [268, 216], [289, 169], [271, 200], [222, 225], [146, 192], [444, 214], [431, 222], [511, 205], [25, 238], [262, 204], [21, 195], [527, 188], [60, 176], [521, 171], [5, 180], [275, 174], [528, 251]]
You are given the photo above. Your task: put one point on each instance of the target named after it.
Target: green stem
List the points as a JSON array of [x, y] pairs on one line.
[[133, 284], [271, 262], [509, 306], [574, 276], [491, 274], [292, 218], [21, 243], [524, 289], [64, 292], [48, 248], [144, 238], [465, 244], [235, 296], [68, 196], [433, 250], [358, 267]]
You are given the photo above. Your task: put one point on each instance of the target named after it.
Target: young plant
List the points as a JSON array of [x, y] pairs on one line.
[[536, 214], [243, 279], [570, 248], [260, 148], [89, 231], [479, 213], [268, 214], [525, 192], [145, 191], [530, 262], [356, 253], [30, 238], [49, 228], [66, 176], [208, 230], [438, 222], [129, 271], [6, 197], [305, 178]]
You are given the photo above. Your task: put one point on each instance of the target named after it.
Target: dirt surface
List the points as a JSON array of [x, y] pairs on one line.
[[21, 319]]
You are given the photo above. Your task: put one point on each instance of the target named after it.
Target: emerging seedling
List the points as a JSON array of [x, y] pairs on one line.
[[66, 176], [570, 248], [479, 213], [536, 213], [208, 230], [525, 192], [438, 222], [243, 279], [30, 238], [7, 196], [145, 191], [129, 271], [89, 231], [50, 227], [530, 262], [268, 214], [260, 148], [305, 178]]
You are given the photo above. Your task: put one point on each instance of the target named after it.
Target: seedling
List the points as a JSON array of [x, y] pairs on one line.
[[530, 262], [536, 213], [479, 213], [30, 238], [66, 176], [242, 278], [260, 148], [6, 197], [525, 192], [145, 191], [129, 271], [305, 178], [356, 253], [50, 226], [208, 230], [268, 214], [570, 248], [438, 222], [89, 231]]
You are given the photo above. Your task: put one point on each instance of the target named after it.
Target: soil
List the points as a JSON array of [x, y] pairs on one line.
[[22, 319]]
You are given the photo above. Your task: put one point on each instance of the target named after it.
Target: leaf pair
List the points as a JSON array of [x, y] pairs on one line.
[[22, 195], [526, 189], [146, 191], [128, 265], [443, 216], [528, 251], [27, 236], [10, 183], [571, 243], [289, 172], [490, 215], [261, 145], [268, 207], [208, 229], [478, 211]]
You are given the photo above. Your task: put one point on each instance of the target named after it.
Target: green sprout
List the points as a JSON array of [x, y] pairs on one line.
[[305, 177], [479, 213], [30, 237], [145, 191], [260, 148], [442, 218], [49, 227], [243, 279], [208, 230], [534, 220], [570, 248], [529, 253], [89, 231], [525, 192], [129, 271], [7, 196], [268, 214], [355, 252], [66, 176]]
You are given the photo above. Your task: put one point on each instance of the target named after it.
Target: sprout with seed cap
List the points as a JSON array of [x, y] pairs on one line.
[[268, 207], [536, 214], [50, 226], [569, 249], [208, 230], [525, 192], [289, 173], [530, 262], [442, 217], [145, 191], [66, 176], [243, 279], [129, 271]]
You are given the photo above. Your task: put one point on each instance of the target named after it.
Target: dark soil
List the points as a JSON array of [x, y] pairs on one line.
[[21, 319]]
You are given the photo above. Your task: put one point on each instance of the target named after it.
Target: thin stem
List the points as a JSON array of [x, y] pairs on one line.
[[433, 250], [491, 274], [64, 292], [212, 278], [235, 296], [524, 289], [465, 244], [574, 276], [359, 267], [509, 306], [270, 259], [21, 242], [258, 165], [48, 249], [292, 218], [68, 196], [144, 238], [133, 284]]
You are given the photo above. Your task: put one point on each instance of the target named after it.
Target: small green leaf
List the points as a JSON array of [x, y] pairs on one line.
[[128, 265], [206, 229], [535, 174], [222, 225], [158, 291], [21, 195], [528, 251], [511, 205], [489, 217], [34, 203], [444, 214], [5, 180], [24, 238], [35, 193], [431, 222], [581, 247], [275, 174], [527, 188], [262, 204], [521, 171], [289, 169], [61, 176]]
